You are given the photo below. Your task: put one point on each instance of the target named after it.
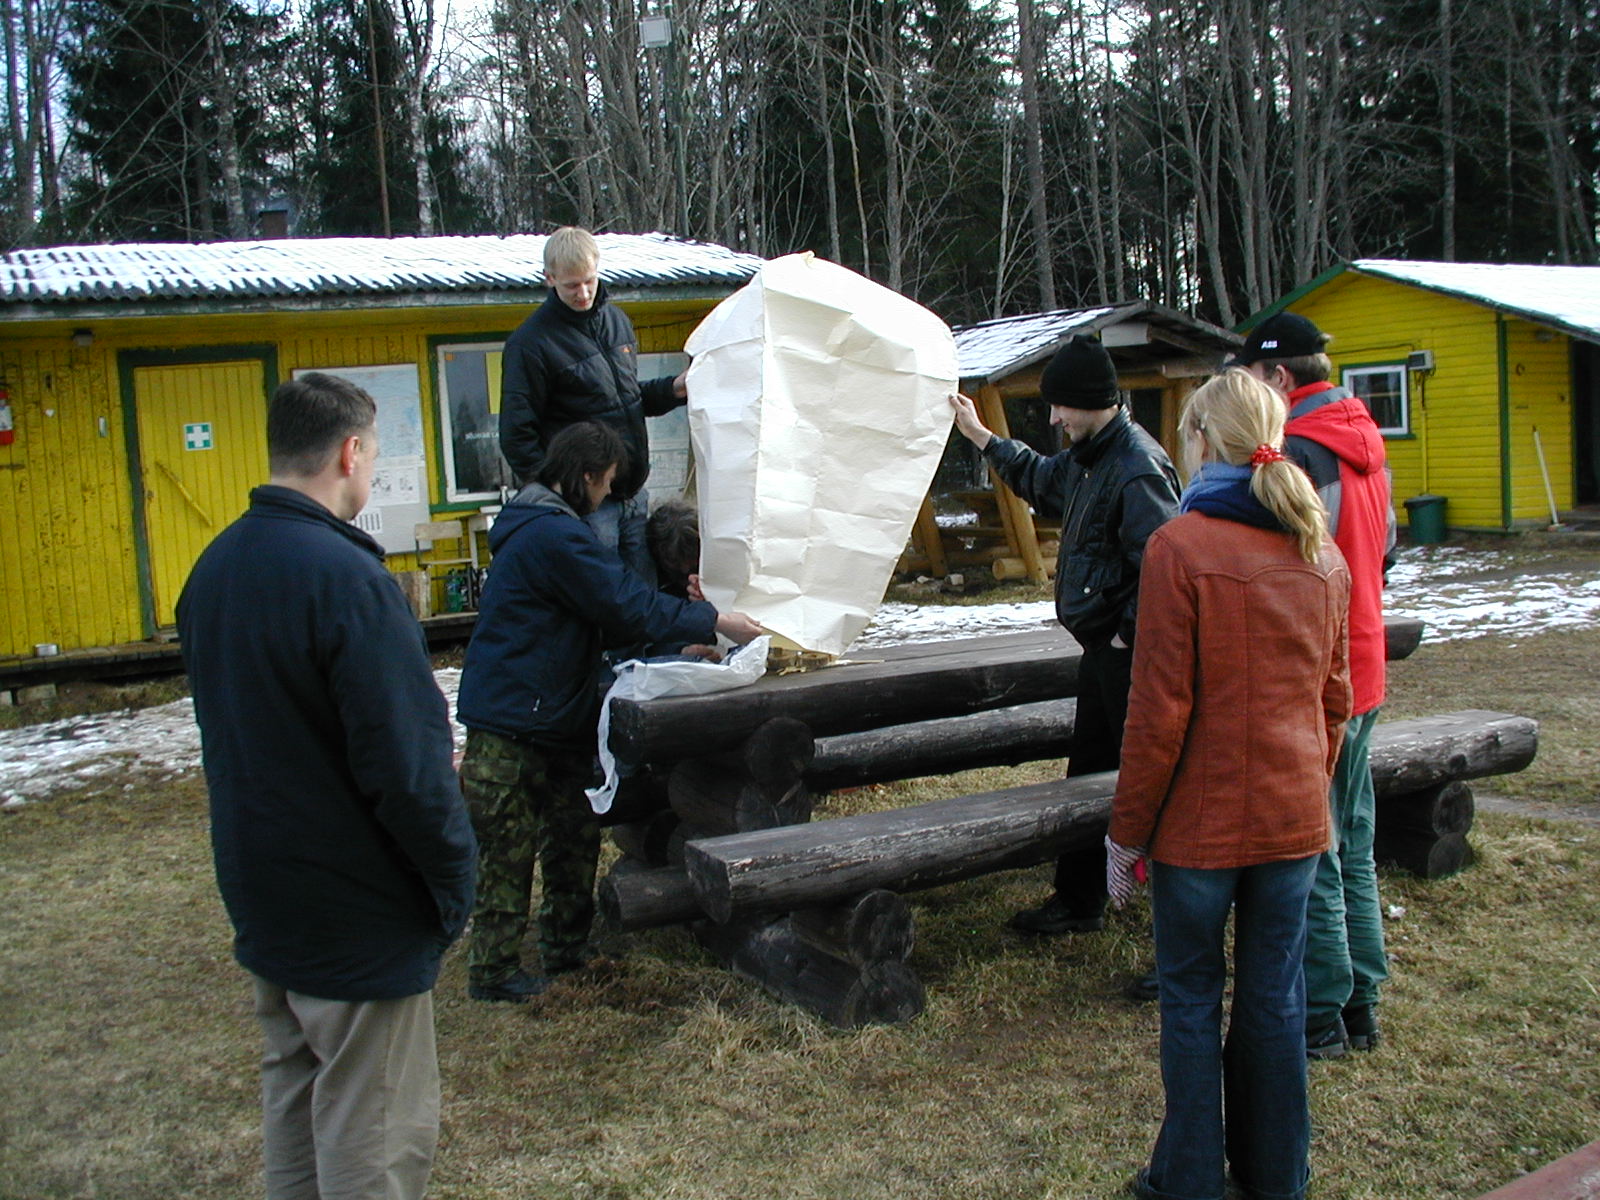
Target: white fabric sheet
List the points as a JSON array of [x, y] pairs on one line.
[[644, 679], [818, 411]]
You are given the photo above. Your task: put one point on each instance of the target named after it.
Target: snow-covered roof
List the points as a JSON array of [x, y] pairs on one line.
[[994, 349], [1567, 298], [312, 267]]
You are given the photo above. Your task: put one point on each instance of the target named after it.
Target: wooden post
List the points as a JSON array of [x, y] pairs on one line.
[[634, 897], [1015, 514], [845, 994], [930, 540]]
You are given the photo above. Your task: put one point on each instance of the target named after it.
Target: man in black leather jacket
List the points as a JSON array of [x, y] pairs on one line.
[[575, 359], [1114, 485]]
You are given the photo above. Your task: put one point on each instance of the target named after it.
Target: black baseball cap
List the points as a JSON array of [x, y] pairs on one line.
[[1282, 335]]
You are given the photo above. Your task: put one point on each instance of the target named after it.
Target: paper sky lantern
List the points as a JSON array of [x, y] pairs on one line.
[[818, 409]]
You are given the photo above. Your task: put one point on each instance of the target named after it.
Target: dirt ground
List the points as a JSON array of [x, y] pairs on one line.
[[128, 1059]]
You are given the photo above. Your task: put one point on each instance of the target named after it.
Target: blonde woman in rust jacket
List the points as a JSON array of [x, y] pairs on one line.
[[1241, 688]]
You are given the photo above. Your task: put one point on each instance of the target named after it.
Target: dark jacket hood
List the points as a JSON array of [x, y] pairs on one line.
[[531, 503]]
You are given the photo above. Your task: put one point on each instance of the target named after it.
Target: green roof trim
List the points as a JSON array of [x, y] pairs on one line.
[[1284, 302]]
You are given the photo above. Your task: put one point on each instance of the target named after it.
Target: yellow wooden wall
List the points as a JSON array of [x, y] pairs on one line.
[[1454, 449], [69, 570], [67, 554]]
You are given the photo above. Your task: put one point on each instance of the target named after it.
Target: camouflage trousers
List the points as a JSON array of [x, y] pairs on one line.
[[527, 804]]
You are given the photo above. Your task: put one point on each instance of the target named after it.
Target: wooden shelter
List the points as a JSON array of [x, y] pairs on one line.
[[1484, 378], [1161, 356], [134, 378]]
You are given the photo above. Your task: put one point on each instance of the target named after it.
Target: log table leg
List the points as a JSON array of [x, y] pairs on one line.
[[846, 963], [1425, 832]]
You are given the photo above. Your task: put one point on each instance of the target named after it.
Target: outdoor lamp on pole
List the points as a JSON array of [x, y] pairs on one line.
[[656, 33]]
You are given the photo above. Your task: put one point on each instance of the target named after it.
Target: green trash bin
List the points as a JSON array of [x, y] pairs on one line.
[[1426, 516]]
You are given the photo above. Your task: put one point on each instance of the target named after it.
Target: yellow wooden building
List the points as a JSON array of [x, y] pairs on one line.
[[135, 379], [1485, 380]]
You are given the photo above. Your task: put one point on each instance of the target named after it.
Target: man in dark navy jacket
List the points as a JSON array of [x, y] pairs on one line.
[[343, 850]]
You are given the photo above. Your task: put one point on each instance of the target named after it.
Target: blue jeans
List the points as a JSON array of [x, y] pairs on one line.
[[1243, 1100], [620, 526]]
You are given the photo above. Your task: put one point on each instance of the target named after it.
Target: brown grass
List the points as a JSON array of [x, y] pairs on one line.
[[127, 1053]]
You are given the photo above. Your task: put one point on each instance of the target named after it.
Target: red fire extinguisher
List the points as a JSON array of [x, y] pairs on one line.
[[7, 434]]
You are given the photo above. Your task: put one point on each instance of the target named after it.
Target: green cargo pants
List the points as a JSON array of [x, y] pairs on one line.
[[527, 803], [1345, 959]]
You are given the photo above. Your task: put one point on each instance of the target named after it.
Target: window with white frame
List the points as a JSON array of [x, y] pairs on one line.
[[469, 422], [1384, 388]]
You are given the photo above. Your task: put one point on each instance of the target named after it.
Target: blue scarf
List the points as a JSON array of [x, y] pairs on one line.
[[1223, 490]]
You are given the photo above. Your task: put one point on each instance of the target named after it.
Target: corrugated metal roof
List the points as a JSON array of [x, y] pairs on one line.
[[1565, 297], [995, 348], [309, 267], [992, 350]]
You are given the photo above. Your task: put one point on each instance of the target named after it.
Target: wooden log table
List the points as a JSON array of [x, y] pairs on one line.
[[743, 761]]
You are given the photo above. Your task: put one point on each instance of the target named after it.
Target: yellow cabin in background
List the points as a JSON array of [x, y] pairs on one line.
[[134, 382], [1485, 380]]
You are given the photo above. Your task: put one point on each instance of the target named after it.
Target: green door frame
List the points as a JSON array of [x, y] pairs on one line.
[[128, 361]]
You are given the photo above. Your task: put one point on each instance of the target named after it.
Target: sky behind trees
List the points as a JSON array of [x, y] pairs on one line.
[[985, 158]]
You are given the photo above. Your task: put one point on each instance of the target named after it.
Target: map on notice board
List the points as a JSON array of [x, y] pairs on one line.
[[399, 500]]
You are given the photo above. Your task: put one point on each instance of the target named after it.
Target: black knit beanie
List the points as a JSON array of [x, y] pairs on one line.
[[1080, 375]]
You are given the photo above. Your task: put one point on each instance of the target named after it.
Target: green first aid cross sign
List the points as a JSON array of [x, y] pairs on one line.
[[197, 436]]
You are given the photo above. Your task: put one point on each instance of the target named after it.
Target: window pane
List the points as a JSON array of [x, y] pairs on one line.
[[472, 422], [1384, 392], [669, 433]]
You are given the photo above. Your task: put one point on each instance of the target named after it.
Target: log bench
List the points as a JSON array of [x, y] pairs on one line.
[[747, 763], [943, 841]]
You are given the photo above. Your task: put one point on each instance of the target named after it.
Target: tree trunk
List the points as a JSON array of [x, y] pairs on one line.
[[1447, 131], [223, 97], [1033, 136]]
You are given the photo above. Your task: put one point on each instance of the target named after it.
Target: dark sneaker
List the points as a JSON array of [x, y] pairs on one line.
[[514, 989], [1053, 916], [1139, 1186], [1361, 1024], [1144, 989], [1327, 1041]]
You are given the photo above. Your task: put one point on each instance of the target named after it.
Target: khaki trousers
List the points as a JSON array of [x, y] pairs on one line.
[[349, 1095]]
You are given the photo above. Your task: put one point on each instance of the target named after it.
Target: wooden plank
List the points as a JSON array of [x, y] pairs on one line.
[[633, 897], [774, 870], [999, 737], [1408, 756], [845, 994], [1002, 737], [899, 684], [1021, 534], [947, 840], [1575, 1176]]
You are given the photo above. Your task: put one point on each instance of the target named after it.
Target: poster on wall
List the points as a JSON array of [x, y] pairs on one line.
[[399, 500]]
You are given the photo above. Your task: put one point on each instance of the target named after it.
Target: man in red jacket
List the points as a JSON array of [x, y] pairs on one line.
[[1333, 438]]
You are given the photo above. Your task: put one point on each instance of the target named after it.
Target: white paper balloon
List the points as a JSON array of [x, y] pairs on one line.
[[817, 411]]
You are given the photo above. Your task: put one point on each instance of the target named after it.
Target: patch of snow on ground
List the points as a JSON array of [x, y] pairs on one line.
[[1459, 593]]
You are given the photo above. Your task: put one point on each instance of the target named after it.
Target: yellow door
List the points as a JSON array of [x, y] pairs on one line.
[[202, 447]]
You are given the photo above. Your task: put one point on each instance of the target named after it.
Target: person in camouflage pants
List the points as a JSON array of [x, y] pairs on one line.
[[528, 697], [528, 802]]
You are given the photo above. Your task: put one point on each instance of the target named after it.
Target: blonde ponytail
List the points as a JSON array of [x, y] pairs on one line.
[[1239, 420]]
